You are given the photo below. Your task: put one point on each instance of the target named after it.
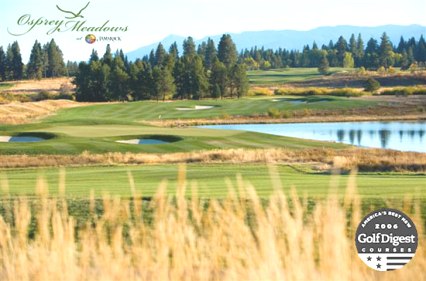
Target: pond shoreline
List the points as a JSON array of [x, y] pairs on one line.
[[269, 120]]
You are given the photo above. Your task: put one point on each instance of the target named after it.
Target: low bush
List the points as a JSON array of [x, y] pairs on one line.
[[344, 92], [371, 85], [42, 95], [406, 91], [257, 91], [274, 113]]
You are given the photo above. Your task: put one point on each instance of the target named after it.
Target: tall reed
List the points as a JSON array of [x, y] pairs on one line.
[[189, 238]]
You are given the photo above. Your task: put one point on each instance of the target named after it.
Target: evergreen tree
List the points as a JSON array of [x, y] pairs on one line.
[[401, 46], [160, 56], [118, 80], [353, 48], [94, 56], [420, 54], [359, 55], [404, 62], [35, 65], [163, 83], [210, 55], [189, 48], [3, 63], [240, 81], [14, 65], [386, 55], [341, 48], [371, 57], [56, 65], [107, 58], [227, 51], [324, 66], [218, 79]]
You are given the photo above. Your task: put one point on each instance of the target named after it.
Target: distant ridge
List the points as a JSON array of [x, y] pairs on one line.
[[295, 40]]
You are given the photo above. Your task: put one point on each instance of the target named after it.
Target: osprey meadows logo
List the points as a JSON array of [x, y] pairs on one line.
[[386, 240], [71, 21]]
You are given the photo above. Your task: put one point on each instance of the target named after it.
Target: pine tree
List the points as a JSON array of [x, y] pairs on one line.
[[324, 66], [420, 53], [107, 58], [359, 56], [163, 83], [35, 65], [160, 56], [386, 55], [189, 48], [353, 48], [94, 56], [118, 80], [341, 47], [218, 79], [240, 81], [371, 57], [14, 65], [227, 51], [211, 54], [401, 45], [3, 62], [56, 65]]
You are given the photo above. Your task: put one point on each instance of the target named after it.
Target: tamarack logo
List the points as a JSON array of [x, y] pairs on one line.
[[72, 21], [386, 240]]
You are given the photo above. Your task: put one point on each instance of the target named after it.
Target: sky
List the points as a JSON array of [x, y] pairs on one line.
[[150, 21]]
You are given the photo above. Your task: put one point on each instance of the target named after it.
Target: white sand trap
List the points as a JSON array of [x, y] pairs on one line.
[[20, 139], [197, 107], [5, 138], [143, 141]]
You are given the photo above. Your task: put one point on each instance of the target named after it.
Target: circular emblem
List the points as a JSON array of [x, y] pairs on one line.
[[386, 239], [90, 38]]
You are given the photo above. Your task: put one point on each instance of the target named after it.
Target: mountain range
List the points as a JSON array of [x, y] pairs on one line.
[[293, 39]]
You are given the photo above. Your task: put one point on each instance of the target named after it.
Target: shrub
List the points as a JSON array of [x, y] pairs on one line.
[[407, 91], [274, 113], [371, 85], [42, 95], [257, 91]]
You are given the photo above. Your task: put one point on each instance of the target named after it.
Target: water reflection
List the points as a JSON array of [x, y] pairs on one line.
[[405, 136]]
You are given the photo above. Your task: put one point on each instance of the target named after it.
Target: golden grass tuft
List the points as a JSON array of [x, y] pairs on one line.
[[237, 238], [319, 158], [20, 113]]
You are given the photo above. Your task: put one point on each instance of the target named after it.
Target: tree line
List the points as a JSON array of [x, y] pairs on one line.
[[45, 61], [343, 53], [201, 71]]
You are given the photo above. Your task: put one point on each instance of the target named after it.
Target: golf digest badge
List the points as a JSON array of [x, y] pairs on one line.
[[386, 239]]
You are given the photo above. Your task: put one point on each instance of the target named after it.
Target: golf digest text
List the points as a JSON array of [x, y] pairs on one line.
[[379, 238]]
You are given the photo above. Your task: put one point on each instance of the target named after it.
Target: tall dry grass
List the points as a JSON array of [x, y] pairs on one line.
[[319, 158], [237, 238], [20, 113]]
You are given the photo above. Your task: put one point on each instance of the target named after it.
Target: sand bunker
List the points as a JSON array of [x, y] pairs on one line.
[[197, 107], [20, 139], [143, 141]]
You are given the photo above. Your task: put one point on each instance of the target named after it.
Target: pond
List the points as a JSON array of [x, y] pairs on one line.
[[20, 139], [403, 136]]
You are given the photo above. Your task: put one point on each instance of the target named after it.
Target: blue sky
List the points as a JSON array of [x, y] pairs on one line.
[[150, 21]]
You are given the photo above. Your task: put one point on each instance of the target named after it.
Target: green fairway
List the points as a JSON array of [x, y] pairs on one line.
[[96, 128], [286, 75], [212, 180], [150, 110]]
